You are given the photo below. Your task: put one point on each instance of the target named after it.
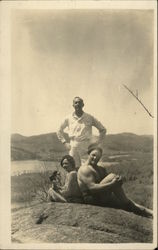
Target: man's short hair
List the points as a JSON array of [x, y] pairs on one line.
[[94, 146], [77, 97]]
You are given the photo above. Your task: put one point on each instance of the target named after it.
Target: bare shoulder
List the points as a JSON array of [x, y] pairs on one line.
[[84, 170], [72, 173]]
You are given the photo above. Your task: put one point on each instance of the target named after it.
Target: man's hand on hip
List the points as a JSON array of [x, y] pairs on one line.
[[99, 141]]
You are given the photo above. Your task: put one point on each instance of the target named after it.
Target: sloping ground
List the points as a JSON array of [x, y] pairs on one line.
[[48, 146], [78, 223]]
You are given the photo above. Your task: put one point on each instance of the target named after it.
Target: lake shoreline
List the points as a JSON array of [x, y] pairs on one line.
[[35, 166]]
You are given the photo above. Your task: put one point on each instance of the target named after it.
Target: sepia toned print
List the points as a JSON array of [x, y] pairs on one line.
[[82, 127]]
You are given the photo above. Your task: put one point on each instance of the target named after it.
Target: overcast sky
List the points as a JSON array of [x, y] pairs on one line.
[[59, 54]]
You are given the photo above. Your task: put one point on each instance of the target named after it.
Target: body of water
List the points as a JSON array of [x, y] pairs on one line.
[[35, 166], [118, 156], [32, 166]]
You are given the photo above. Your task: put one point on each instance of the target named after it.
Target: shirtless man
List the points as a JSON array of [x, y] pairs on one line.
[[100, 188]]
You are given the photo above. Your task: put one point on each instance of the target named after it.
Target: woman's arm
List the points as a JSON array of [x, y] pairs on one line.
[[69, 183]]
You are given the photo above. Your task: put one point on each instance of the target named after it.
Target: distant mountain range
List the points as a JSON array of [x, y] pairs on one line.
[[48, 147]]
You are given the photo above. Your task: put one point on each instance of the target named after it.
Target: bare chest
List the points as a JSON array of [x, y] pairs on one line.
[[97, 175]]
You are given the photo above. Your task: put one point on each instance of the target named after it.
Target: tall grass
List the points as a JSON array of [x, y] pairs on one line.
[[137, 171], [138, 174], [32, 186]]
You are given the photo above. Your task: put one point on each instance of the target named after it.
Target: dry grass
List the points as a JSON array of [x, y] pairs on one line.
[[138, 184], [76, 223]]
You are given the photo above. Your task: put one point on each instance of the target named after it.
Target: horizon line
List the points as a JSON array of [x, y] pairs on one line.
[[92, 135]]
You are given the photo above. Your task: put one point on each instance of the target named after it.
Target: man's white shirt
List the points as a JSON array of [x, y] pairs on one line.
[[80, 128]]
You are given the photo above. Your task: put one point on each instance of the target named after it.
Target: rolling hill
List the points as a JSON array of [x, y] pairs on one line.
[[48, 147], [80, 223]]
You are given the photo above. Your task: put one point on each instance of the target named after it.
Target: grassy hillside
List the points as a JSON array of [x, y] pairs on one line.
[[137, 173], [45, 147], [128, 142], [76, 223], [48, 147]]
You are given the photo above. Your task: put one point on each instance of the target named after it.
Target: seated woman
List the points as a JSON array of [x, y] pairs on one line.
[[100, 188], [70, 192]]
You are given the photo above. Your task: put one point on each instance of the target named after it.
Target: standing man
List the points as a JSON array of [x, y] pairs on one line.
[[79, 126]]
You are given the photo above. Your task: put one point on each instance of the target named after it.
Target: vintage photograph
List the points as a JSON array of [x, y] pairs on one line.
[[82, 125]]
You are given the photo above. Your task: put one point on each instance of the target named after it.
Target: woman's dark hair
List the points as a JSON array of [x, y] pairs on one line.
[[70, 160], [94, 147]]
